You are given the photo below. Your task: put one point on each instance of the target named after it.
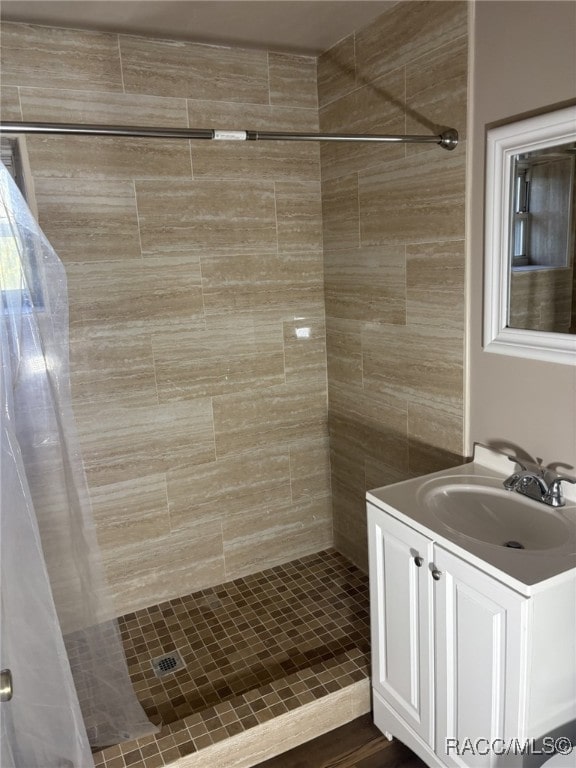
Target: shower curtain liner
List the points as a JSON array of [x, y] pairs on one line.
[[71, 684]]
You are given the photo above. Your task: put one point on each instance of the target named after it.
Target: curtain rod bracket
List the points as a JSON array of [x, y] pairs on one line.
[[449, 138]]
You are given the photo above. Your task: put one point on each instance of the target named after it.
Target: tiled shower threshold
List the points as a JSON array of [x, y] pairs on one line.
[[270, 661]]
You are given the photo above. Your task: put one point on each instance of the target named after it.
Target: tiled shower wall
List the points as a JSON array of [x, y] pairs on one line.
[[196, 277], [393, 255], [196, 300]]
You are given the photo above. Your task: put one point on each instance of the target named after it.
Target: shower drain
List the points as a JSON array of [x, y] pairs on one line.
[[167, 664]]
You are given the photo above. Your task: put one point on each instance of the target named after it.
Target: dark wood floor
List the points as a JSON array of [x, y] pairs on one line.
[[358, 744]]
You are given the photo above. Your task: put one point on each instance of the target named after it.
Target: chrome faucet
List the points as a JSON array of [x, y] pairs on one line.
[[538, 483]]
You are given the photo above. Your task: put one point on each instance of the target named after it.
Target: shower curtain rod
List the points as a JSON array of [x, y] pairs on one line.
[[447, 139]]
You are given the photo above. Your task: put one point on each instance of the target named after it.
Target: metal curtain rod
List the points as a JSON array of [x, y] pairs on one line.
[[447, 139]]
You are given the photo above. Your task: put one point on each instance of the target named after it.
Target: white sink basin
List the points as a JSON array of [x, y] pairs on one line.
[[498, 517]]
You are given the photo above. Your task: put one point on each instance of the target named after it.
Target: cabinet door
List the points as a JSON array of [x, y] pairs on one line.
[[400, 591], [480, 654]]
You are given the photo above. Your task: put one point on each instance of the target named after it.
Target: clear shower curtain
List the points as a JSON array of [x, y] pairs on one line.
[[71, 683]]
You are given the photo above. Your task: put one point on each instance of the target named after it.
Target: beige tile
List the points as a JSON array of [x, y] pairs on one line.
[[371, 423], [340, 212], [436, 89], [230, 354], [417, 200], [435, 266], [288, 282], [344, 352], [432, 308], [85, 221], [337, 71], [193, 71], [10, 103], [366, 284], [305, 350], [277, 416], [293, 80], [52, 57], [127, 441], [435, 284], [420, 363], [310, 469], [378, 473], [69, 106], [421, 25], [347, 462], [207, 493], [130, 511], [253, 542], [106, 158], [273, 160], [170, 566], [375, 108], [298, 215], [228, 115], [112, 365], [206, 216], [160, 294], [356, 550], [435, 437]]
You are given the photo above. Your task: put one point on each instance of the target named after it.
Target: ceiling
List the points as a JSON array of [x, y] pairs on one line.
[[300, 26]]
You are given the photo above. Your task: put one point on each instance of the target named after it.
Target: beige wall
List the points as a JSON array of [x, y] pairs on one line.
[[192, 270], [524, 61], [393, 220]]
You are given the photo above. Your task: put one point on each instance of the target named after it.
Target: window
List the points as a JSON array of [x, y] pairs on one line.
[[19, 275]]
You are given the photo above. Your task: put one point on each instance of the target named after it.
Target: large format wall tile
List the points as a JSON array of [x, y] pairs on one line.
[[201, 363], [292, 80], [156, 294], [337, 71], [298, 215], [170, 68], [48, 105], [367, 284], [127, 441], [393, 219], [253, 542], [410, 30], [436, 86], [232, 485], [89, 222], [111, 365], [206, 217], [340, 212], [374, 108], [10, 103], [195, 279], [101, 158], [277, 416], [420, 199], [421, 363], [51, 57]]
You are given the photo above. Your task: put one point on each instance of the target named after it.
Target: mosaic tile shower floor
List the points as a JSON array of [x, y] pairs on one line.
[[253, 648]]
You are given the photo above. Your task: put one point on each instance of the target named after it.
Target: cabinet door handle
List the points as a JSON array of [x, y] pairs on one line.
[[419, 561], [436, 574]]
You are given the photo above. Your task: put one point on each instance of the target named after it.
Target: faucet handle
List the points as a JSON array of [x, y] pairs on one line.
[[554, 495]]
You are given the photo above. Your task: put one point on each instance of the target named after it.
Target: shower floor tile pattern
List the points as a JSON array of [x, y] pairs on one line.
[[253, 648]]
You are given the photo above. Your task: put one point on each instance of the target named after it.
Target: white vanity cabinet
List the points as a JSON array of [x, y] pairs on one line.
[[459, 663]]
